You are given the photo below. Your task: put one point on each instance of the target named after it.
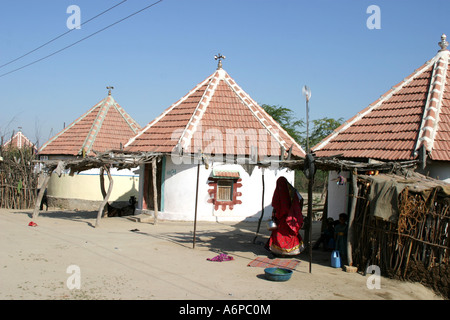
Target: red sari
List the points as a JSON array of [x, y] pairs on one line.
[[287, 204]]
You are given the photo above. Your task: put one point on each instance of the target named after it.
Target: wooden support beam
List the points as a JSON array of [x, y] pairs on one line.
[[155, 190], [262, 205], [37, 205], [105, 199], [309, 217], [102, 182], [196, 202], [196, 196], [102, 188], [351, 218]]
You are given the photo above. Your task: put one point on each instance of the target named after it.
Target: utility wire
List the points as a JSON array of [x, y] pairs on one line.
[[61, 35], [85, 38]]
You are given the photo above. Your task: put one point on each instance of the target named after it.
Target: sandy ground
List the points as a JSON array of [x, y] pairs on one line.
[[159, 262]]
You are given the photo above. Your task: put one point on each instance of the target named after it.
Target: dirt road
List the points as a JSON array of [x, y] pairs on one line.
[[65, 257]]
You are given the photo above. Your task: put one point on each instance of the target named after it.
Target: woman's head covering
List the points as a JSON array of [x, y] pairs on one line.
[[287, 204], [281, 200]]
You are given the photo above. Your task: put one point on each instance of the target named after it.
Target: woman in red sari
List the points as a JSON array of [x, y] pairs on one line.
[[287, 212]]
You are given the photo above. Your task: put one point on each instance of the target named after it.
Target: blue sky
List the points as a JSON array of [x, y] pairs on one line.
[[272, 49]]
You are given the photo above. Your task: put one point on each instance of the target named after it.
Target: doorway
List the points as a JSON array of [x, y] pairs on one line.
[[148, 202]]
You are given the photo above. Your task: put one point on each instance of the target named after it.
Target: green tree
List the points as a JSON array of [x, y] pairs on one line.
[[319, 130], [285, 118]]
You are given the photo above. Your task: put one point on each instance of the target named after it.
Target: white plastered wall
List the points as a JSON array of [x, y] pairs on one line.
[[86, 185], [179, 192], [337, 194]]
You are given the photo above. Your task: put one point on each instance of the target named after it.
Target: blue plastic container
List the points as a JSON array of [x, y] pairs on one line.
[[335, 259]]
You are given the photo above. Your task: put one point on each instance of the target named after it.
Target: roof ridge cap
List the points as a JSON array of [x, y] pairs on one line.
[[202, 105], [237, 89], [430, 118], [73, 123], [167, 110], [134, 126], [23, 139], [95, 127], [11, 139]]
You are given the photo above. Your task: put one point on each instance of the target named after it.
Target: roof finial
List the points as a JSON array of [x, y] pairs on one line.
[[443, 43], [219, 57], [109, 90]]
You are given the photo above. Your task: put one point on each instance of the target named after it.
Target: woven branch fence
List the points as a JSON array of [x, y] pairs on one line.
[[18, 179], [415, 248]]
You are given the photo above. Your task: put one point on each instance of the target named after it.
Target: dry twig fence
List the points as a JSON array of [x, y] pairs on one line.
[[414, 248], [18, 180]]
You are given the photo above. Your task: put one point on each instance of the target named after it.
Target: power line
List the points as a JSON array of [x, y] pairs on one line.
[[85, 38], [61, 35]]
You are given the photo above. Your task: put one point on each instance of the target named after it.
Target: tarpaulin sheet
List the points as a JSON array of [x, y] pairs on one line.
[[385, 190]]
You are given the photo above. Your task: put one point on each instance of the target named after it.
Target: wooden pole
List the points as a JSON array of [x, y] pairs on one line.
[[311, 170], [262, 205], [105, 199], [310, 213], [37, 204], [102, 188], [196, 202], [407, 259], [352, 218], [155, 190], [102, 182]]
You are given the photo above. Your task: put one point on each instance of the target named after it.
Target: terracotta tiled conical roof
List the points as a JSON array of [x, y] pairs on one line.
[[104, 127], [218, 117], [413, 114], [19, 140]]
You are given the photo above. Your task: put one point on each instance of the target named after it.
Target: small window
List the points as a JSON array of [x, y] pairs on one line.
[[224, 190]]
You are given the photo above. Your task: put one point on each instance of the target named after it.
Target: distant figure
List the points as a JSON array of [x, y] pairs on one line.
[[326, 237], [44, 200], [340, 235], [133, 202], [287, 213]]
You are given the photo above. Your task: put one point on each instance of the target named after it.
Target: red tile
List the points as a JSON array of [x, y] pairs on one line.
[[227, 110], [389, 131], [104, 127]]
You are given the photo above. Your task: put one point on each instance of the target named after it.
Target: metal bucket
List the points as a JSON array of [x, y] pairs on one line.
[[271, 225]]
